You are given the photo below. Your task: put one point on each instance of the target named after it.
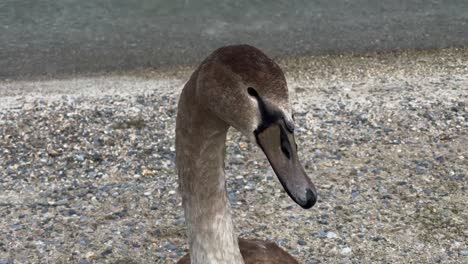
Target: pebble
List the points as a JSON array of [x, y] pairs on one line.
[[90, 255], [83, 261], [170, 247], [106, 252], [62, 202], [331, 235], [345, 250]]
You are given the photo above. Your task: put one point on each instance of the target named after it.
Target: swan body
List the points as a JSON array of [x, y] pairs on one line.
[[236, 86], [257, 251]]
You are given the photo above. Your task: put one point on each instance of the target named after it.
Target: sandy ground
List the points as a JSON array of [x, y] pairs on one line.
[[87, 173]]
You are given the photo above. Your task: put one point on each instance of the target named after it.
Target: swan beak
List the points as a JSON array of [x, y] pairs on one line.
[[278, 144]]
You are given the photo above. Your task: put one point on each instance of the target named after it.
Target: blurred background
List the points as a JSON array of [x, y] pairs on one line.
[[47, 37]]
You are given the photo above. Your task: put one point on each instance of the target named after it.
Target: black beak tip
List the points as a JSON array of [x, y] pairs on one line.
[[311, 199]]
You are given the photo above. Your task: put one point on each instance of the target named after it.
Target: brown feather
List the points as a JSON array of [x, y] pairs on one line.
[[258, 252]]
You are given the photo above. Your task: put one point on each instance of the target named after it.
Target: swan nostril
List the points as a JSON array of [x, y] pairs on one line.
[[285, 144]]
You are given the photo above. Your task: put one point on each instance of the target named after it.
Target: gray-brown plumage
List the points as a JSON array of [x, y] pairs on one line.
[[236, 86], [257, 251]]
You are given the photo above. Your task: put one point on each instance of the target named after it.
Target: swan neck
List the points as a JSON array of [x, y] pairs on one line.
[[200, 146]]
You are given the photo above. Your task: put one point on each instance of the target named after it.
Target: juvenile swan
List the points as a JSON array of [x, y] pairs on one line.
[[236, 86]]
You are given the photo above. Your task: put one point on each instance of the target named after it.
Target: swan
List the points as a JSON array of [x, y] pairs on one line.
[[236, 86]]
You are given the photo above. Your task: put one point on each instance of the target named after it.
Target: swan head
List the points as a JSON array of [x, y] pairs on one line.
[[248, 91]]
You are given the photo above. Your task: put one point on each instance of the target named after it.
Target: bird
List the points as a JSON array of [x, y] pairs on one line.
[[235, 86]]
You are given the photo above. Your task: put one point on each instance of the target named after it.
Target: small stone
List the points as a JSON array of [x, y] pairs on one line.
[[83, 261], [322, 233], [53, 152], [363, 117], [148, 172], [106, 252], [322, 222], [345, 250], [179, 222], [301, 242], [331, 235], [16, 226], [72, 212], [170, 247], [62, 202], [90, 255], [232, 197], [28, 106], [79, 157], [464, 252], [440, 159]]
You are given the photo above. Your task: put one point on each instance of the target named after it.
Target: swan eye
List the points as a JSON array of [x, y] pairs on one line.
[[252, 92]]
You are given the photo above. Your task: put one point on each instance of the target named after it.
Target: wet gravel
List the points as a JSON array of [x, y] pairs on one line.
[[88, 178]]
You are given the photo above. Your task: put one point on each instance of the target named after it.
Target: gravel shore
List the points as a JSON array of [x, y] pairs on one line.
[[87, 171]]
